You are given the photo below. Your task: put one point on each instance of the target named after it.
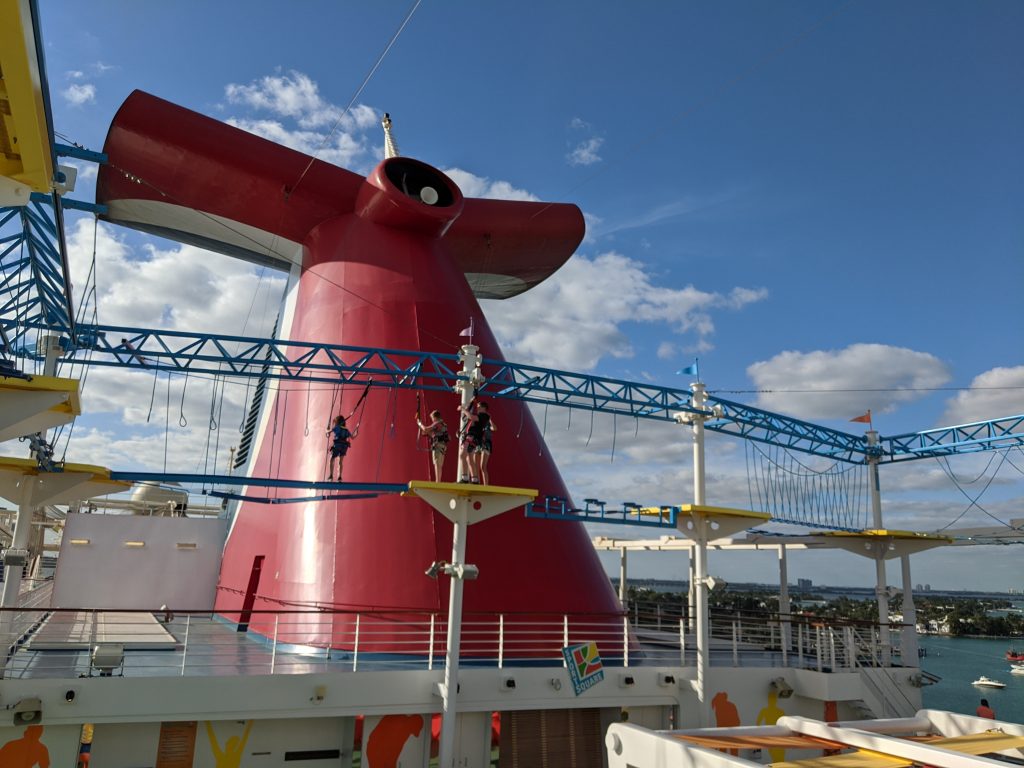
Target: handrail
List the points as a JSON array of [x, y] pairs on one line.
[[294, 640]]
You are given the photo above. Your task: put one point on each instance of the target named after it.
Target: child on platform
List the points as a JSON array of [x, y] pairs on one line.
[[437, 435]]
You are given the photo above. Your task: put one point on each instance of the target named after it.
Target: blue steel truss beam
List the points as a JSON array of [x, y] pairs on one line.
[[240, 356], [35, 288], [1007, 432], [255, 482]]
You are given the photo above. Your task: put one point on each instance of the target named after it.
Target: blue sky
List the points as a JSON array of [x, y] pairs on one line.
[[806, 195]]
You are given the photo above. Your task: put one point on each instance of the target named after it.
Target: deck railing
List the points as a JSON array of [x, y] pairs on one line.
[[70, 643]]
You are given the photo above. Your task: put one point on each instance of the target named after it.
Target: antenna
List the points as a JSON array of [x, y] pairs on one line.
[[390, 148]]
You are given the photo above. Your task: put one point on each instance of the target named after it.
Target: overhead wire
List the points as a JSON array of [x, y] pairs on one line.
[[359, 90], [974, 501]]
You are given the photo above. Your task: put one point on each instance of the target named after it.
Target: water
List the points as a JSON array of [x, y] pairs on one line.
[[960, 660]]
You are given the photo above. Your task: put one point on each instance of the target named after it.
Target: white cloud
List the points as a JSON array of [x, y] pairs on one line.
[[86, 171], [591, 223], [994, 393], [683, 206], [74, 74], [180, 287], [480, 186], [574, 318], [293, 99], [585, 153], [177, 287], [667, 350], [77, 95], [341, 149], [844, 383], [297, 96]]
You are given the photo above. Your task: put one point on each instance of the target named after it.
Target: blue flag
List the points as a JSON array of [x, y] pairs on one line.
[[688, 370]]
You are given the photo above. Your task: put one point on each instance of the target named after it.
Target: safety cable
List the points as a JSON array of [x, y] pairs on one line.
[[359, 90], [974, 501]]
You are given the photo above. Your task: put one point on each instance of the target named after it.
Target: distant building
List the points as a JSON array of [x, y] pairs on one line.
[[927, 587], [804, 583]]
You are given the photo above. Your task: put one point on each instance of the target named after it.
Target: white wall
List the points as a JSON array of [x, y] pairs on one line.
[[135, 745], [104, 573]]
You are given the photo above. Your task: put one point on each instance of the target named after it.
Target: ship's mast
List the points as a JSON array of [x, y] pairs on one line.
[[390, 147]]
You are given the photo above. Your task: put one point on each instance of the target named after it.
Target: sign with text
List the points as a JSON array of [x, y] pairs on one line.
[[584, 663]]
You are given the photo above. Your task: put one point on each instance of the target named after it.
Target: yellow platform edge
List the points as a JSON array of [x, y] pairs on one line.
[[468, 489]]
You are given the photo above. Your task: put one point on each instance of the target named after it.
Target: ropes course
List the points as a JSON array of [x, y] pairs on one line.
[[792, 492], [35, 303]]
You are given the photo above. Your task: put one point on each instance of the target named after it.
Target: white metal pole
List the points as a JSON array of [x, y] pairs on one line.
[[908, 636], [449, 710], [19, 541], [469, 377], [23, 522], [784, 626], [881, 594], [698, 401], [700, 553], [702, 634], [691, 595], [622, 576]]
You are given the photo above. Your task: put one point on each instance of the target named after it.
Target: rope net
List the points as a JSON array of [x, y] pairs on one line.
[[791, 491]]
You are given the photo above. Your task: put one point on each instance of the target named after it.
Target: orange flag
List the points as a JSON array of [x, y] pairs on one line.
[[865, 419]]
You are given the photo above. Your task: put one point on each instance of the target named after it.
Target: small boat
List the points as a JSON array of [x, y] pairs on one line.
[[1014, 655], [988, 682], [1017, 669]]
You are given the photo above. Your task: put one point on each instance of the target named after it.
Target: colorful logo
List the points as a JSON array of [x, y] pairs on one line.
[[584, 663]]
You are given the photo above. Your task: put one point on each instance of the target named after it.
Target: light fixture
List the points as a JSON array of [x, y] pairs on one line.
[[715, 583], [464, 571], [135, 544], [28, 711], [187, 545], [15, 557], [106, 657], [781, 687], [80, 542]]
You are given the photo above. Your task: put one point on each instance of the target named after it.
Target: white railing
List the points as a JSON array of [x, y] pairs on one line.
[[752, 638], [57, 643]]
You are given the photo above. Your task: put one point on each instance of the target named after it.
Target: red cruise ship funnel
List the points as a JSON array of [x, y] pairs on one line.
[[386, 261]]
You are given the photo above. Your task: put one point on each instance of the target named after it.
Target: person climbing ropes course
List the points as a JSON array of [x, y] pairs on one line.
[[437, 436]]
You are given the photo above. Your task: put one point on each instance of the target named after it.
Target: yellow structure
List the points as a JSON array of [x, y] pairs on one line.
[[26, 159], [35, 405], [23, 482]]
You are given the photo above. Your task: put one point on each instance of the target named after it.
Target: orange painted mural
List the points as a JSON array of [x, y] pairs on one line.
[[726, 715], [386, 741], [28, 751]]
